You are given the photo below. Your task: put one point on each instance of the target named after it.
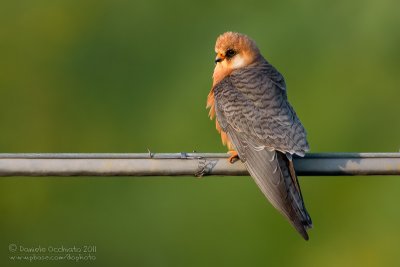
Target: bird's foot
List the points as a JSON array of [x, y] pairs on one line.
[[234, 156]]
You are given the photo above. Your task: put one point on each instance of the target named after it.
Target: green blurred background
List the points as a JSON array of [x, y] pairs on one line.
[[124, 76]]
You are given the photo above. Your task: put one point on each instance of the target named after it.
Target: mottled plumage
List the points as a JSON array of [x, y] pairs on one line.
[[252, 111]]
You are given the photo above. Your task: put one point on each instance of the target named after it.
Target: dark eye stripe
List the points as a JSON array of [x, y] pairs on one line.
[[230, 53]]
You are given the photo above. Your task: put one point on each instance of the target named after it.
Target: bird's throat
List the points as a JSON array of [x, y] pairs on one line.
[[221, 70]]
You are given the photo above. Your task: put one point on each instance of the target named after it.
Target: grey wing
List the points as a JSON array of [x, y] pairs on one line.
[[267, 117], [271, 172], [263, 129]]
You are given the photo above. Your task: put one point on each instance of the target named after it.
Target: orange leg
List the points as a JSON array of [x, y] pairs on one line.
[[234, 156]]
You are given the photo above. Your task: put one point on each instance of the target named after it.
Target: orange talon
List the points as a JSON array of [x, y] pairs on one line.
[[234, 156]]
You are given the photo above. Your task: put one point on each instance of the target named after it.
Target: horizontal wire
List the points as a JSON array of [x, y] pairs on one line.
[[186, 164]]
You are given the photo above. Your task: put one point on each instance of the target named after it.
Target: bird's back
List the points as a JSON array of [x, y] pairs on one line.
[[252, 108]]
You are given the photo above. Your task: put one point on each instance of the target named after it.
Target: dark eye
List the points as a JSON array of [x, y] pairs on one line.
[[230, 53]]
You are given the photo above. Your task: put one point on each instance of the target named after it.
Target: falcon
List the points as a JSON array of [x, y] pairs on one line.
[[257, 123]]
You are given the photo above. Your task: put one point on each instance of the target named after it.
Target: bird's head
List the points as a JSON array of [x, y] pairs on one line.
[[235, 50]]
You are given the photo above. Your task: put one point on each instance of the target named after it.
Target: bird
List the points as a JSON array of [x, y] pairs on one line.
[[249, 100]]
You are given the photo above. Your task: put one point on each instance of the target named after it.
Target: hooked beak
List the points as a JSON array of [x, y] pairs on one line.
[[219, 58]]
